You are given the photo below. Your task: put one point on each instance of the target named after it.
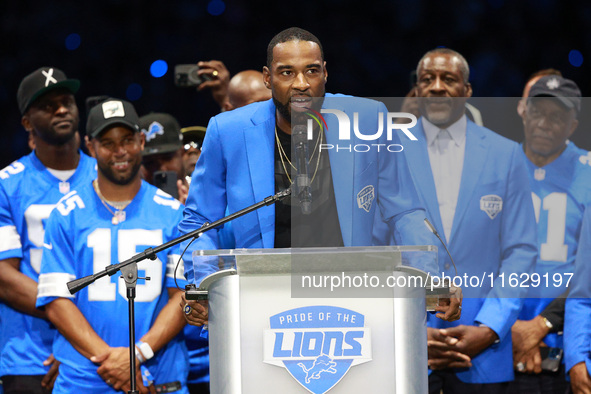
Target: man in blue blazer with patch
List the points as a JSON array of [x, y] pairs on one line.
[[475, 187], [246, 158]]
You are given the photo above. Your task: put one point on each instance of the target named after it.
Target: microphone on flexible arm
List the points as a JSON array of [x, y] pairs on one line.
[[446, 285], [302, 180], [432, 229]]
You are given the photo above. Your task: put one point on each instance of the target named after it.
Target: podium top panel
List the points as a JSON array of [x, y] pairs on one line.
[[304, 260], [349, 249]]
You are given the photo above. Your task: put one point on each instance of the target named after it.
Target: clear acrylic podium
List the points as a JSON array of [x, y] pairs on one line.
[[278, 323]]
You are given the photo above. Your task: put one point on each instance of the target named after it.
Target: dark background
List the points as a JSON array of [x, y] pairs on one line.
[[370, 47]]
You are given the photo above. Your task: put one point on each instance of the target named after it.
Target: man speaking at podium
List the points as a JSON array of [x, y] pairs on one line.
[[246, 158]]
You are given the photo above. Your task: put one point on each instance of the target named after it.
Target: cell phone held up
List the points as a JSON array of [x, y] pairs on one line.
[[186, 76], [166, 181]]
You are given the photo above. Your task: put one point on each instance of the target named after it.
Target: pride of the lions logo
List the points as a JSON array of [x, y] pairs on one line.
[[317, 344]]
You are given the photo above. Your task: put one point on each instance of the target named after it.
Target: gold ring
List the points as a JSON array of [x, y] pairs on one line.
[[215, 73], [187, 309]]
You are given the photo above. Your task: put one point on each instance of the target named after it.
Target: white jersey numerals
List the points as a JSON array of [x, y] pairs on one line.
[[128, 240], [554, 249], [34, 216], [69, 202], [12, 169]]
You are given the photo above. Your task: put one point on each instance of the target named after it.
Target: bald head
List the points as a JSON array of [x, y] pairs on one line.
[[246, 87], [455, 56]]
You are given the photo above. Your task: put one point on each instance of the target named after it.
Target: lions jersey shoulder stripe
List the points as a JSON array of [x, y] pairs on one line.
[[163, 198]]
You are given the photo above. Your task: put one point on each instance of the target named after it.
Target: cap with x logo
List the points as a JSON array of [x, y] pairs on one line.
[[40, 82]]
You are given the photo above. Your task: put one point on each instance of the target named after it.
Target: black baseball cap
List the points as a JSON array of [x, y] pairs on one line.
[[563, 89], [193, 134], [40, 82], [162, 133], [110, 113]]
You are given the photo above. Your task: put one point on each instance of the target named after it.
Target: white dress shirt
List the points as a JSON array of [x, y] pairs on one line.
[[446, 154]]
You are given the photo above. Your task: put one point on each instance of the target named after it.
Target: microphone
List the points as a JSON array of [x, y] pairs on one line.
[[432, 229], [302, 180]]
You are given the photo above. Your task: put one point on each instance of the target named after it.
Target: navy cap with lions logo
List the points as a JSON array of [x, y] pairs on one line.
[[40, 82], [163, 133], [563, 89]]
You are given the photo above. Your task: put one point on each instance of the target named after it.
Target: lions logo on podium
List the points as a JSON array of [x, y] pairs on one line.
[[317, 344]]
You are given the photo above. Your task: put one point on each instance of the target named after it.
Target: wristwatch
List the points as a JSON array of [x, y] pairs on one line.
[[548, 323]]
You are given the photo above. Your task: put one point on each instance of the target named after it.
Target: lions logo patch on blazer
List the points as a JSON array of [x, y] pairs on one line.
[[365, 197], [491, 204]]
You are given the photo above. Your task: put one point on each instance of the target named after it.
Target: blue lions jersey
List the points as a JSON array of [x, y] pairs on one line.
[[560, 191], [28, 193], [81, 240]]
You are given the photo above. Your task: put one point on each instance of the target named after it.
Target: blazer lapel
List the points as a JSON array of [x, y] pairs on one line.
[[342, 179], [475, 157], [417, 156], [260, 150]]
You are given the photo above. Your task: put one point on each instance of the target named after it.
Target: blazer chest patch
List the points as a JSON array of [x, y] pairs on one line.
[[491, 204], [365, 197]]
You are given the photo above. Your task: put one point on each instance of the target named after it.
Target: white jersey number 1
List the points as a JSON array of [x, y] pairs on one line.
[[128, 240], [554, 249]]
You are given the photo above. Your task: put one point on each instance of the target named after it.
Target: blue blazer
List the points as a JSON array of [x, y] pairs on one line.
[[502, 240], [236, 169], [577, 318]]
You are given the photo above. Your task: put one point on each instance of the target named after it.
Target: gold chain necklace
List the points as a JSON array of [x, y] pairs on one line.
[[119, 214], [283, 155]]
